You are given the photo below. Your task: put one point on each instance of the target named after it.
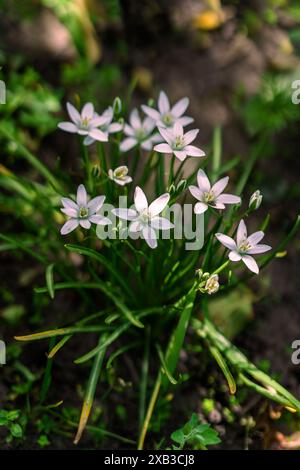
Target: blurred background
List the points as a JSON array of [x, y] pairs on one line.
[[236, 61]]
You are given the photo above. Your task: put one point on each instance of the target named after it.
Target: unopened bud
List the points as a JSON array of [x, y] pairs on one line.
[[117, 105], [181, 186], [255, 200]]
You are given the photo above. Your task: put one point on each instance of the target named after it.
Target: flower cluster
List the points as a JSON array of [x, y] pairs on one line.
[[161, 131]]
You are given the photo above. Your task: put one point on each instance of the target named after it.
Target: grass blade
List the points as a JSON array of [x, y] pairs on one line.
[[90, 392], [49, 280]]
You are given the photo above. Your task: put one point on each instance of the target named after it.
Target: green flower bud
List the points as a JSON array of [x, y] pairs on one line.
[[255, 200]]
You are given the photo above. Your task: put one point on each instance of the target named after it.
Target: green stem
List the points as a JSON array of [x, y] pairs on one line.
[[87, 167], [150, 410], [144, 379], [160, 175], [171, 172]]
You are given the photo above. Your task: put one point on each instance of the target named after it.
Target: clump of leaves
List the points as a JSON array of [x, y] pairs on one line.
[[14, 422], [195, 435]]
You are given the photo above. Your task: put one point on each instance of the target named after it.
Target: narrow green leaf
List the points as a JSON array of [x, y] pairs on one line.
[[90, 391], [224, 368], [164, 367], [177, 338], [49, 280]]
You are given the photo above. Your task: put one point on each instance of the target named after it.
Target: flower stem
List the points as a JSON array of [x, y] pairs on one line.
[[160, 175], [87, 166], [150, 409], [222, 267], [171, 172], [103, 167]]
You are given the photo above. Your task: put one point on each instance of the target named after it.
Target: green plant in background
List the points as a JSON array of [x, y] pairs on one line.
[[194, 434], [14, 422], [132, 293]]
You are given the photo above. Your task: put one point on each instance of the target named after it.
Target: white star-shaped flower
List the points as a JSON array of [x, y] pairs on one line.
[[108, 127], [139, 133], [211, 195], [145, 218], [179, 143], [244, 246], [166, 116], [85, 123], [82, 212]]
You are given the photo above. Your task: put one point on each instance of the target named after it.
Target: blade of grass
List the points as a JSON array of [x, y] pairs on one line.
[[90, 391], [47, 375], [49, 280], [224, 368], [164, 367], [60, 332]]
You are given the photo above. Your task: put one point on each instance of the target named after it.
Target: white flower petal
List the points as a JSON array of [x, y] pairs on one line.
[[147, 144], [95, 204], [234, 256], [177, 129], [87, 111], [196, 192], [203, 181], [163, 148], [226, 241], [241, 232], [250, 263], [228, 199], [166, 134], [140, 200], [150, 236], [69, 226], [190, 136], [135, 226], [67, 202], [82, 132], [148, 125], [156, 138], [127, 144], [85, 223], [257, 249], [256, 237], [194, 151], [99, 220], [70, 212], [163, 103], [185, 120], [88, 140], [200, 208], [135, 119], [128, 130], [98, 121], [73, 113], [157, 206], [125, 214], [161, 223], [115, 127], [81, 196], [152, 113], [220, 185], [180, 154], [217, 205], [68, 127], [99, 135], [180, 107]]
